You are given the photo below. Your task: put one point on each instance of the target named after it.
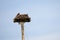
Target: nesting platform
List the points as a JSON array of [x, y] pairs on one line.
[[22, 18]]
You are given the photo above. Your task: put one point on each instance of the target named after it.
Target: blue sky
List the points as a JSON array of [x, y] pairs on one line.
[[45, 19]]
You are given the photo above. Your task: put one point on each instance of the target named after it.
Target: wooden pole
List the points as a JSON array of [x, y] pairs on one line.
[[22, 29]]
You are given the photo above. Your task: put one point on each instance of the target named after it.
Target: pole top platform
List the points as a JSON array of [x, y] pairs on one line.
[[22, 18]]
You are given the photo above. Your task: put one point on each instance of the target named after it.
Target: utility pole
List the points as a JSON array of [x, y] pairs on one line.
[[21, 19]]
